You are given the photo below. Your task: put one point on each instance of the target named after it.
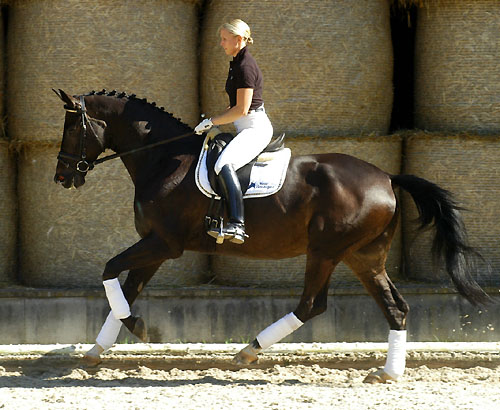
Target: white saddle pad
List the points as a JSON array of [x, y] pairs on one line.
[[266, 178]]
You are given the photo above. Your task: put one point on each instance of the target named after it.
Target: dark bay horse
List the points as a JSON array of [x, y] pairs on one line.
[[332, 207]]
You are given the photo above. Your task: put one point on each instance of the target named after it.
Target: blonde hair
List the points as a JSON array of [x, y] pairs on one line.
[[238, 27]]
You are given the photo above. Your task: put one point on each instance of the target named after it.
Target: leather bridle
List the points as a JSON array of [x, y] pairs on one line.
[[81, 163]]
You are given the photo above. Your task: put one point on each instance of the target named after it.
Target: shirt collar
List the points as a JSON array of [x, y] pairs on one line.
[[240, 55]]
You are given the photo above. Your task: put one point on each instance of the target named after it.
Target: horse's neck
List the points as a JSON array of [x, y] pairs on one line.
[[128, 130]]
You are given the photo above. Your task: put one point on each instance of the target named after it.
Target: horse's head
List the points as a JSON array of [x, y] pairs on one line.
[[83, 141]]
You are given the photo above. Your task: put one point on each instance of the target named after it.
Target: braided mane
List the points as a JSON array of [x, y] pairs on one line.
[[133, 97]]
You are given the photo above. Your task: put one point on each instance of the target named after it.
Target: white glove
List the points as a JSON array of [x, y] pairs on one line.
[[204, 126]]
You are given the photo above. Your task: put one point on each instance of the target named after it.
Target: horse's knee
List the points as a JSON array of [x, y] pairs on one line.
[[111, 270]]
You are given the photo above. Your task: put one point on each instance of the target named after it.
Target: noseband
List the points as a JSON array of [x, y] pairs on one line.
[[81, 163]]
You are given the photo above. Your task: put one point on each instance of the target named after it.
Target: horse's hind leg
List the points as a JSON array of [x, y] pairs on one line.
[[135, 282], [369, 266], [312, 303]]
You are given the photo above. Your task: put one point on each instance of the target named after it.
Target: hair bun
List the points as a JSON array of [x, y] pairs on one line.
[[238, 27]]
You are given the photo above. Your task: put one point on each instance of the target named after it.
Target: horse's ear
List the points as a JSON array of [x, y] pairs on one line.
[[67, 99], [57, 93]]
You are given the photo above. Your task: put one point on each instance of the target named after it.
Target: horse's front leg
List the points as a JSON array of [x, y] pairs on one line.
[[143, 256], [135, 282]]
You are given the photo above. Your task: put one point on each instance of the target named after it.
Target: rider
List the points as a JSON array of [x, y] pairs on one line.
[[246, 110]]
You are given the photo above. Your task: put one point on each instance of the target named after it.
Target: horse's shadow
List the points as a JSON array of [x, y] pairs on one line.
[[63, 368], [54, 379]]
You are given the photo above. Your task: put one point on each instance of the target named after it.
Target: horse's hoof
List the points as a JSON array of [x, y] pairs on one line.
[[91, 360], [246, 356], [140, 330], [379, 376], [93, 357]]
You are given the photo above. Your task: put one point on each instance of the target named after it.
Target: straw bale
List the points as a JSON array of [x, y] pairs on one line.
[[409, 3], [8, 216], [327, 66], [385, 152], [67, 236], [457, 72], [466, 165], [2, 76], [147, 47]]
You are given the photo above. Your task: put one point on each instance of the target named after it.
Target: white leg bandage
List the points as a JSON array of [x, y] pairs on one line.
[[278, 330], [116, 299], [109, 332], [396, 354]]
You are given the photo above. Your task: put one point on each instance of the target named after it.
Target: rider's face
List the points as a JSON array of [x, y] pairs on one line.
[[230, 43]]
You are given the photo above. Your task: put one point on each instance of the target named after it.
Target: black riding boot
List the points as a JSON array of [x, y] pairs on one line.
[[231, 189]]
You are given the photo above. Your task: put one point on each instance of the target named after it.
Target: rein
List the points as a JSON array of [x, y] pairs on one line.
[[133, 151], [82, 165]]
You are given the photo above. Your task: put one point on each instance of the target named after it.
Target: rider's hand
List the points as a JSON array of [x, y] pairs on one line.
[[203, 126]]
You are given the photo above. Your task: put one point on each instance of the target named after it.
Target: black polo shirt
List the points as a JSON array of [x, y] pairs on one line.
[[245, 73]]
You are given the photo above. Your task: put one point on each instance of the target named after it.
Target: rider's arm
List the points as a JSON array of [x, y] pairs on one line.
[[243, 101]]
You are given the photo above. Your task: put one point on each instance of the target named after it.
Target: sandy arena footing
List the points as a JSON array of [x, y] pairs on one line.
[[196, 356]]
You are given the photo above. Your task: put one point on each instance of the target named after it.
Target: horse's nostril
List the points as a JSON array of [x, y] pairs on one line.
[[59, 178]]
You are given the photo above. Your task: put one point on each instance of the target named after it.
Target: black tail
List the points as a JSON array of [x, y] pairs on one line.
[[436, 206]]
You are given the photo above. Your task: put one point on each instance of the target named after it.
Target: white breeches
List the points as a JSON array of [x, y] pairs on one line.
[[255, 132]]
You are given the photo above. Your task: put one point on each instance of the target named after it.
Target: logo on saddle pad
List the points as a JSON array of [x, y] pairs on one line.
[[267, 174]]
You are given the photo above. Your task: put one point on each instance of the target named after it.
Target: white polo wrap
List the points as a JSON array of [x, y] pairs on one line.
[[109, 332], [278, 330], [396, 354], [116, 299]]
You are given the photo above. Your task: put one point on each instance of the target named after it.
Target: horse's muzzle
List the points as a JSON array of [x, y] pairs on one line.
[[69, 180]]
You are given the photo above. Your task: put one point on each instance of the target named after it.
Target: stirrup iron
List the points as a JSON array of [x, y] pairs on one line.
[[216, 230]]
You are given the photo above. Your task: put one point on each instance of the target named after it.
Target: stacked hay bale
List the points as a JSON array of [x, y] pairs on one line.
[[2, 73], [8, 201], [466, 165], [8, 217], [384, 152], [456, 96], [327, 67], [457, 70], [145, 47]]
